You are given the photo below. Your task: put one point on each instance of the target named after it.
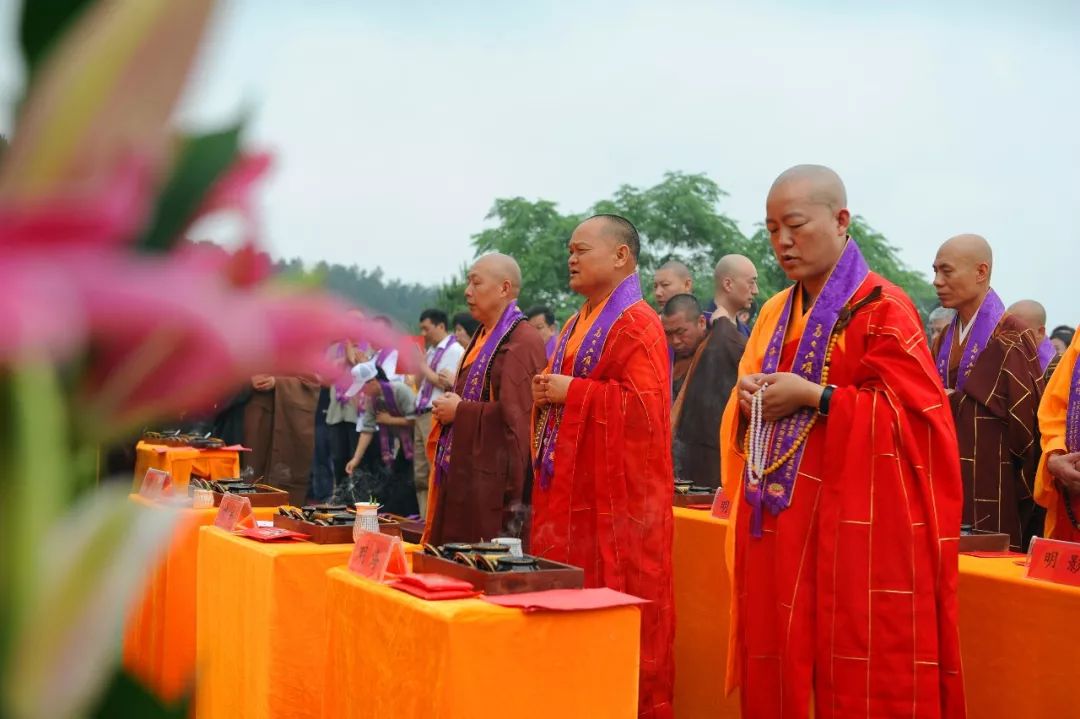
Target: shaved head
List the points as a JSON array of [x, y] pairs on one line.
[[670, 279], [1033, 315], [678, 268], [962, 273], [807, 218], [620, 230], [685, 305], [501, 268], [735, 284], [733, 266], [970, 248], [684, 324], [825, 186]]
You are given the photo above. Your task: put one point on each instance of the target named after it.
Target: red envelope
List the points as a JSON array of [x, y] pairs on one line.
[[418, 590], [436, 582]]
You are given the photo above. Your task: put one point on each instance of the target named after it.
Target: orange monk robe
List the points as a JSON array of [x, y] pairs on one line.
[[849, 597], [1052, 409], [608, 507]]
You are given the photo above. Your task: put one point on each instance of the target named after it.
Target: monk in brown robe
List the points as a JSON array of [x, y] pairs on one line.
[[702, 395], [279, 428], [988, 362], [479, 445]]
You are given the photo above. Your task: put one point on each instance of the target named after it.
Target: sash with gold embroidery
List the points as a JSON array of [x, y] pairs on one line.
[[588, 355], [476, 381], [774, 492]]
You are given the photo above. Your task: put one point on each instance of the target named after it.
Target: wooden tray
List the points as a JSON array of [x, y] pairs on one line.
[[411, 529], [338, 534], [551, 575], [682, 500], [269, 497], [984, 542]]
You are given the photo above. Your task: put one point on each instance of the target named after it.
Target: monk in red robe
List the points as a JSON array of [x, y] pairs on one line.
[[1057, 484], [602, 448], [841, 457]]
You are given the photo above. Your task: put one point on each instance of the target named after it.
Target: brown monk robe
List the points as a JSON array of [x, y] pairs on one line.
[[713, 370], [994, 381], [279, 428], [479, 446]]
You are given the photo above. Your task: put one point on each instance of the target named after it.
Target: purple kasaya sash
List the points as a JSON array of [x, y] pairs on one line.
[[1046, 353], [809, 363], [1072, 414], [549, 346], [427, 389], [986, 320], [476, 381], [404, 433], [622, 298]]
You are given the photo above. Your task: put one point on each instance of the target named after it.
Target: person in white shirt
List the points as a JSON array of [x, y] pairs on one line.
[[437, 372]]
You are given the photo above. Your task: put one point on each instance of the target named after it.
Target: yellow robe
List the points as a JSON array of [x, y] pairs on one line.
[[1052, 409]]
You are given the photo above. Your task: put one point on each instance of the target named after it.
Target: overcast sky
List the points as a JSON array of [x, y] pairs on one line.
[[396, 124]]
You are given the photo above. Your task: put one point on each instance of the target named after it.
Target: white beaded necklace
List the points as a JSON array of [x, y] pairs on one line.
[[759, 432]]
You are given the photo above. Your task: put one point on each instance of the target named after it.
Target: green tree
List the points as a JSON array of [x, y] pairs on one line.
[[535, 234], [369, 289], [679, 218]]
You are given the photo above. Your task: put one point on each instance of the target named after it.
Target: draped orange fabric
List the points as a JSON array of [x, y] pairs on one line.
[[581, 329], [849, 597], [392, 655], [159, 639], [180, 461], [474, 350], [260, 635], [1055, 402], [608, 507]]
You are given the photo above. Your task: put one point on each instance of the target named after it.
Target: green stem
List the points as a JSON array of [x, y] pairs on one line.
[[35, 484]]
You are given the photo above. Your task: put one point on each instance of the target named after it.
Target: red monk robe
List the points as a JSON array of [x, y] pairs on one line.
[[849, 597], [608, 507], [1052, 415]]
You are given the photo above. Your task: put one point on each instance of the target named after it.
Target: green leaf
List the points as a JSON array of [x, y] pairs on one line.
[[201, 161], [35, 486], [41, 24], [126, 697], [88, 570]]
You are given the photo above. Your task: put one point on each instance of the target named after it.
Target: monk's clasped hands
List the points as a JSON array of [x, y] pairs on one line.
[[786, 394], [550, 389], [1065, 468], [445, 407]]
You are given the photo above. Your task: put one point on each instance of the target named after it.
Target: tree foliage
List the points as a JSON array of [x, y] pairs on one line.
[[369, 289], [680, 218]]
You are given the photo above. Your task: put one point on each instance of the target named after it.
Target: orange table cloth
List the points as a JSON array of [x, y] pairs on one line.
[[179, 461], [260, 639], [1019, 638], [390, 654], [1020, 642], [702, 618], [159, 640]]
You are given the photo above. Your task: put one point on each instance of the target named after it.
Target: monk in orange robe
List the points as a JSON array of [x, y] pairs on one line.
[[841, 457], [1057, 483], [602, 445]]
